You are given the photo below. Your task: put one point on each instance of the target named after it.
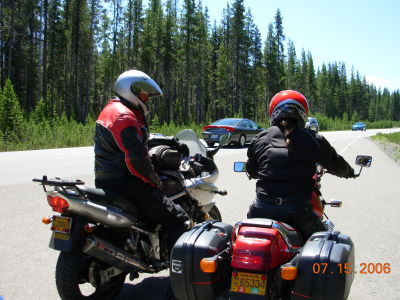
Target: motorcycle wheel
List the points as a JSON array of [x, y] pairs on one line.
[[214, 214], [72, 278]]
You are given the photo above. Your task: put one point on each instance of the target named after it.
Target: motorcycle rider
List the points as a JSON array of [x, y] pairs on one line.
[[283, 160], [122, 161]]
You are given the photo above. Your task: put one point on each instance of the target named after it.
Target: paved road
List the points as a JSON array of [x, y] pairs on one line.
[[370, 215]]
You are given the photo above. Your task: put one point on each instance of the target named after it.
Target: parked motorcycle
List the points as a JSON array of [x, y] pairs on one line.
[[100, 243], [264, 259]]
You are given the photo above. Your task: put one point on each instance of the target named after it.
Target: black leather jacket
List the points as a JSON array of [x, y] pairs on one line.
[[284, 173], [121, 144]]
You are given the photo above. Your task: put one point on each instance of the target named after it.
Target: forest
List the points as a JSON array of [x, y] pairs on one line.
[[60, 58]]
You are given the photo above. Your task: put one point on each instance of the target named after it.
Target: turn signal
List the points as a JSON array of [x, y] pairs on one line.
[[46, 220], [288, 273], [208, 265]]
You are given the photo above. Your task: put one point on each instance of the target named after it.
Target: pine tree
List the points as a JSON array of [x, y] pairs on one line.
[[292, 67], [11, 118]]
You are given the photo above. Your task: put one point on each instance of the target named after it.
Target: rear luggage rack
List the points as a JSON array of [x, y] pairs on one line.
[[58, 182]]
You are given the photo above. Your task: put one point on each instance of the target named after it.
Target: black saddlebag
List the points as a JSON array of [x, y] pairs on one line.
[[325, 267], [187, 280]]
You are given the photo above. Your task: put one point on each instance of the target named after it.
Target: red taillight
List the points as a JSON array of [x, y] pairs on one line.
[[228, 128], [253, 260], [57, 203]]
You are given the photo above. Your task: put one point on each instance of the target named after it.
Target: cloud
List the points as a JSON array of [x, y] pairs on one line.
[[382, 82]]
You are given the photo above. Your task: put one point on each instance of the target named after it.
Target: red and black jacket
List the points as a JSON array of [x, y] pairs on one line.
[[121, 144]]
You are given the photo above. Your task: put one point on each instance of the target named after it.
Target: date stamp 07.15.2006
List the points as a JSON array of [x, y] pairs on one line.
[[347, 268]]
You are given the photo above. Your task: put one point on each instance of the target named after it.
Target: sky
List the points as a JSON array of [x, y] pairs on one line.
[[363, 34]]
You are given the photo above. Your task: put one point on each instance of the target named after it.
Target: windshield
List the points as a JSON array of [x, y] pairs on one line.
[[312, 120], [228, 122], [189, 137]]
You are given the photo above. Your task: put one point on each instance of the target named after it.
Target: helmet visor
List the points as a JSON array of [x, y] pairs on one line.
[[146, 85], [288, 110]]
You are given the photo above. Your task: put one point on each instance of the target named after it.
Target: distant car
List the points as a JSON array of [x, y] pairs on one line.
[[241, 130], [312, 123], [359, 126]]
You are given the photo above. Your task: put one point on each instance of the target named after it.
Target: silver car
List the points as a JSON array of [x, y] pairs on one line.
[[242, 131]]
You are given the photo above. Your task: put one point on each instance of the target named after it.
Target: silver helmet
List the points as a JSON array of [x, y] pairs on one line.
[[131, 84]]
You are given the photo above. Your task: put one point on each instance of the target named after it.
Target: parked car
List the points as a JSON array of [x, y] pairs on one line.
[[312, 123], [241, 130], [359, 126]]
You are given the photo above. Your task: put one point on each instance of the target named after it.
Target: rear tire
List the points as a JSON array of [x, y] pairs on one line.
[[242, 141], [214, 214], [72, 270], [278, 289]]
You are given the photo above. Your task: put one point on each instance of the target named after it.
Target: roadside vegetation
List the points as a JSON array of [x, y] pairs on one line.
[[58, 64], [390, 144]]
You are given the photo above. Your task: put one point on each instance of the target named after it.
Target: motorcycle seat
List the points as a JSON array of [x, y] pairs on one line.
[[293, 236], [110, 197]]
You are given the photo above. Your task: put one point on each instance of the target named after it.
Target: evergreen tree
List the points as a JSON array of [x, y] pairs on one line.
[[292, 67], [11, 115]]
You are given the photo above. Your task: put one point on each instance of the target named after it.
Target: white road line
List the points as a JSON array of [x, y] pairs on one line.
[[348, 146]]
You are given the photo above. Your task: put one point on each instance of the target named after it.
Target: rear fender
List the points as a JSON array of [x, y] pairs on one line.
[[67, 243]]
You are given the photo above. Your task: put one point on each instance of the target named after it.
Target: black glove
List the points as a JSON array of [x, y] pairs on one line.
[[251, 170], [351, 174], [161, 187], [208, 164], [181, 147]]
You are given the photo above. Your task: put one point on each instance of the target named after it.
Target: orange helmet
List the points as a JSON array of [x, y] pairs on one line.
[[288, 104]]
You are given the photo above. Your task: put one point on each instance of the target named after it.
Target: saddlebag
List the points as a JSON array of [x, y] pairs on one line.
[[204, 240], [325, 267]]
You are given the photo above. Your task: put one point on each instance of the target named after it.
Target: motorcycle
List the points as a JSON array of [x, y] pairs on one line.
[[269, 258], [266, 259], [100, 243]]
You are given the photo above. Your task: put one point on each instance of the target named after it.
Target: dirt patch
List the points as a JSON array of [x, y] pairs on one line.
[[391, 149]]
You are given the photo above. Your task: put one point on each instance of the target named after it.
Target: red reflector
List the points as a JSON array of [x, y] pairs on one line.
[[57, 203]]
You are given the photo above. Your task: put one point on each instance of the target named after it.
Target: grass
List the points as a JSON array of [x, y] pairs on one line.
[[390, 143], [61, 133]]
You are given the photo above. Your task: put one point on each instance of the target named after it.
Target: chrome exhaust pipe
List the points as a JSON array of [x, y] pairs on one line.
[[107, 215], [113, 255]]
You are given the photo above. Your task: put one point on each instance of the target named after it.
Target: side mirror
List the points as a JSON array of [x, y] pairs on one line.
[[364, 161], [239, 166], [224, 139]]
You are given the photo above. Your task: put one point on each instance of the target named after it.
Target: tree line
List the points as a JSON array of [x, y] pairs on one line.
[[61, 57]]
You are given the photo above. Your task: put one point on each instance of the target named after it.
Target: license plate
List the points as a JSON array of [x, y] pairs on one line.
[[61, 224], [249, 283], [61, 236], [214, 136]]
